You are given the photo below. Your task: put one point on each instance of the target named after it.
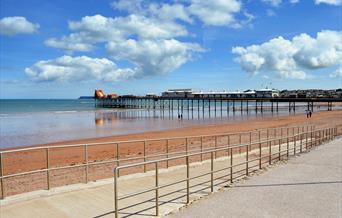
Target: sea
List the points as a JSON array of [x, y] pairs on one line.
[[25, 122]]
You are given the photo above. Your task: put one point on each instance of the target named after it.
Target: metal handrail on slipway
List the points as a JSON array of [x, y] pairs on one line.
[[144, 157], [314, 137]]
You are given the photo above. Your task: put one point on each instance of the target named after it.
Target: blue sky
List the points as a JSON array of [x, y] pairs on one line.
[[64, 49]]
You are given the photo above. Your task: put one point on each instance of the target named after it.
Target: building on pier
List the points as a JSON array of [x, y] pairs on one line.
[[266, 93], [178, 93]]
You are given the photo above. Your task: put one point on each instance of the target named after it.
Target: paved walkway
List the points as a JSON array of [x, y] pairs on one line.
[[96, 199], [307, 186]]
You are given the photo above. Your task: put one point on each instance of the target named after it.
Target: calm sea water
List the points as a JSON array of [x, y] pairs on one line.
[[29, 122]]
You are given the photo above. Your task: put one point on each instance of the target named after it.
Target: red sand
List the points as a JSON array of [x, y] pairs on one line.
[[36, 159]]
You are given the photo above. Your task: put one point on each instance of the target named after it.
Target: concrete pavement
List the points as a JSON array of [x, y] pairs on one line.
[[307, 186]]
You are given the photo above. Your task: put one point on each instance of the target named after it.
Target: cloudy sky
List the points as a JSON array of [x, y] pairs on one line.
[[64, 49]]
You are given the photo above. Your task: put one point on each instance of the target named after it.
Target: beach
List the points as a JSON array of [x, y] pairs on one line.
[[36, 159]]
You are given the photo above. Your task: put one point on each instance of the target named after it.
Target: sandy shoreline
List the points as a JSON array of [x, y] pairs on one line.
[[318, 119], [19, 162]]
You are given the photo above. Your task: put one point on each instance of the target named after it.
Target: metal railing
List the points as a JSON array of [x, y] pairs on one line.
[[184, 147], [302, 141]]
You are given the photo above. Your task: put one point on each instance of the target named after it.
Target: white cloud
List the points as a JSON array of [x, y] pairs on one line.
[[131, 6], [329, 2], [289, 58], [69, 44], [170, 12], [68, 69], [216, 12], [323, 51], [211, 13], [294, 1], [148, 37], [274, 3], [97, 28], [337, 73], [153, 57], [147, 43], [10, 26], [149, 57]]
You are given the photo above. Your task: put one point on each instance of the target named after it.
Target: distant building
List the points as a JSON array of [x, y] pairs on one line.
[[178, 93], [266, 93]]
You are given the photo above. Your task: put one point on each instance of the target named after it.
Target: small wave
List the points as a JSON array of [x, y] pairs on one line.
[[61, 112]]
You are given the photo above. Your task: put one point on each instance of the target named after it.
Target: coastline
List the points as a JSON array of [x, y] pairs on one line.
[[22, 161], [320, 119]]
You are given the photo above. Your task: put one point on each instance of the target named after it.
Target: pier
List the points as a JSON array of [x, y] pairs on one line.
[[216, 103]]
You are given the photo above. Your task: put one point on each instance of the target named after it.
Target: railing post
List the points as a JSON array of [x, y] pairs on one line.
[[259, 154], [201, 148], [212, 172], [145, 156], [267, 136], [157, 189], [228, 143], [86, 160], [187, 180], [1, 175], [279, 148], [247, 154], [215, 146], [47, 168], [301, 142], [250, 141], [116, 207], [306, 138], [240, 142], [270, 153], [167, 153], [311, 144], [117, 158], [287, 143], [282, 132], [231, 165], [294, 144]]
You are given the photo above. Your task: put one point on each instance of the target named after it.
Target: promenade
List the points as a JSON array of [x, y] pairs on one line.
[[307, 186]]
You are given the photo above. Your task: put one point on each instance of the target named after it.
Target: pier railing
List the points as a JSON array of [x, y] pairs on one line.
[[261, 152], [45, 167]]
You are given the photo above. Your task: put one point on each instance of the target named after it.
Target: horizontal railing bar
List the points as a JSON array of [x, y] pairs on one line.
[[280, 140], [206, 151]]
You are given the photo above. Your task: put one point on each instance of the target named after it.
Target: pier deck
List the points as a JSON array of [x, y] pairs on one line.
[[214, 103]]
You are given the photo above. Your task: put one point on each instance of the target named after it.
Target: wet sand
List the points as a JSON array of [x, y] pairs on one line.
[[319, 119], [62, 157]]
